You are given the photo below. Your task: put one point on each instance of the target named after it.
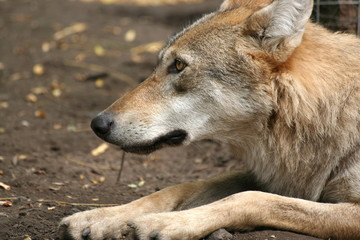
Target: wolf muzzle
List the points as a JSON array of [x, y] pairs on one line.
[[103, 125]]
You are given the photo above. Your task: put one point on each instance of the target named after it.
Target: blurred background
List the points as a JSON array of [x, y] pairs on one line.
[[343, 15]]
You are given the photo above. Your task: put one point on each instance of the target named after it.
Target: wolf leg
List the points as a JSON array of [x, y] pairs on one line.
[[246, 210], [112, 222]]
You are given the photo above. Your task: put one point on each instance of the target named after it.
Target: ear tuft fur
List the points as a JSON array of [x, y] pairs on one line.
[[281, 25], [230, 4], [287, 17]]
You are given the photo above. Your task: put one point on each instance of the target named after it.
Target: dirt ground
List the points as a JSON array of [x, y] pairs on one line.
[[61, 62]]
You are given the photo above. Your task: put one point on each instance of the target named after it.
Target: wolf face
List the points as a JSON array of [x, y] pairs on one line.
[[213, 80]]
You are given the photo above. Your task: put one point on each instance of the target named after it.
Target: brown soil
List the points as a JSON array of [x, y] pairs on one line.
[[45, 141]]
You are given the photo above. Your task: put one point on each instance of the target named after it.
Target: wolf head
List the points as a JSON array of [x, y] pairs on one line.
[[213, 79]]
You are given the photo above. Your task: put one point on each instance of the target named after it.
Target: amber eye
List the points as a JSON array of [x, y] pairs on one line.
[[177, 66]]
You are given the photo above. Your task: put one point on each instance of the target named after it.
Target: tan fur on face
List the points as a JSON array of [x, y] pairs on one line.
[[144, 96]]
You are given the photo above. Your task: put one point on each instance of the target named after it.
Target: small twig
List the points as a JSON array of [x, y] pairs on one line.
[[98, 68], [61, 203], [75, 28], [121, 167], [8, 198], [85, 164]]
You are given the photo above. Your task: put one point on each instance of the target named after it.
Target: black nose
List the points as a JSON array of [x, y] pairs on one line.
[[101, 125]]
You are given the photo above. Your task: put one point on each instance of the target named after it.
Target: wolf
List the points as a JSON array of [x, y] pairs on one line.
[[283, 92]]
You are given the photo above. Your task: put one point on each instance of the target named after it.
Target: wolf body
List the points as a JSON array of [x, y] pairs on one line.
[[282, 91]]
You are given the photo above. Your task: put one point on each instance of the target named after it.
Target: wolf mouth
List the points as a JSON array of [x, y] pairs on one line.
[[173, 138]]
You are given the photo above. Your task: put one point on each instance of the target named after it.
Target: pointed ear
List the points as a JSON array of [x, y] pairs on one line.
[[229, 4], [280, 26]]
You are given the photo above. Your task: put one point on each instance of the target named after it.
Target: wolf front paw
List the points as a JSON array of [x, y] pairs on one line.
[[166, 226], [98, 224], [109, 229]]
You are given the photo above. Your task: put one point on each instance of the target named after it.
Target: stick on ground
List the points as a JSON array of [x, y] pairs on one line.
[[121, 167]]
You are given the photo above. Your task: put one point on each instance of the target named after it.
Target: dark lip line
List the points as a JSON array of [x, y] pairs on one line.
[[145, 149], [173, 138]]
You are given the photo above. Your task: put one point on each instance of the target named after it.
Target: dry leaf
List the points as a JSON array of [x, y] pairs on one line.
[[152, 47], [15, 160], [99, 83], [4, 186], [98, 180], [141, 183], [4, 105], [100, 149], [47, 46], [2, 130], [51, 208], [130, 35], [1, 172], [198, 160], [57, 126], [99, 50], [25, 123], [95, 199], [39, 90], [54, 188], [22, 156], [5, 203], [56, 92], [101, 179], [27, 237], [137, 58], [40, 114], [31, 98], [59, 183], [75, 28], [38, 69], [71, 128], [18, 157]]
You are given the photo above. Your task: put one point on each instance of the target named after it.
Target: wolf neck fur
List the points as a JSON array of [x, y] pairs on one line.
[[305, 122]]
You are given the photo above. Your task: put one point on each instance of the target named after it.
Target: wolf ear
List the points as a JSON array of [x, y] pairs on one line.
[[280, 26], [229, 4]]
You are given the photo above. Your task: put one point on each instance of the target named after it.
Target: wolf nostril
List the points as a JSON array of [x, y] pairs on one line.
[[101, 124]]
